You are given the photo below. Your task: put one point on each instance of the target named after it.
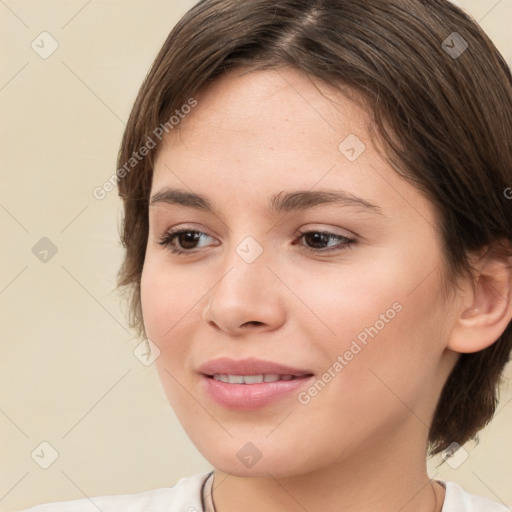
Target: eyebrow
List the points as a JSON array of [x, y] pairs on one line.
[[282, 202]]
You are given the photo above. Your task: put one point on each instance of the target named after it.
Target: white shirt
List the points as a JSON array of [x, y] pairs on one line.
[[185, 496]]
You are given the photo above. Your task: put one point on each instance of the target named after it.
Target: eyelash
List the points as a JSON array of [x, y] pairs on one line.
[[168, 237]]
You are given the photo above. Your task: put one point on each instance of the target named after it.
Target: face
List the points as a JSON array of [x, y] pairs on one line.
[[282, 246]]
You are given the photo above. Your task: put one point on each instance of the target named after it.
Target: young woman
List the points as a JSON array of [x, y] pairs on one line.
[[318, 234]]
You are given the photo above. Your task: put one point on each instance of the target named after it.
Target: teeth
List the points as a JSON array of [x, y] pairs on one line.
[[251, 379]]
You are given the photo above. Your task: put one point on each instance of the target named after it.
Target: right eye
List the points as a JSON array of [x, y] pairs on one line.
[[182, 241]]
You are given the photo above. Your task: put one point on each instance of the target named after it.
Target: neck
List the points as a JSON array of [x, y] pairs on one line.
[[395, 479]]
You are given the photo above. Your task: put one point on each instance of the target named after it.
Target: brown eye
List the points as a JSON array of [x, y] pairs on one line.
[[182, 241], [318, 241], [187, 239]]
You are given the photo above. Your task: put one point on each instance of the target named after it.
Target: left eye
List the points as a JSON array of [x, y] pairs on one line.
[[318, 241]]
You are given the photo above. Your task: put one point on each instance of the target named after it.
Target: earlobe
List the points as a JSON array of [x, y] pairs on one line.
[[484, 320]]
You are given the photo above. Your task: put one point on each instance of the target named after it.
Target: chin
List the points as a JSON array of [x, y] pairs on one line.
[[262, 469], [244, 459]]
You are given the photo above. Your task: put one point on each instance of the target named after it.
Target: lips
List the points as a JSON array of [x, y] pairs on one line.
[[251, 366], [250, 383]]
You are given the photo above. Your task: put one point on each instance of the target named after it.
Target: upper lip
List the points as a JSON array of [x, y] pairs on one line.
[[250, 366]]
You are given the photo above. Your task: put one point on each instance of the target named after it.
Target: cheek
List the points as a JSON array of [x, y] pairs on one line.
[[380, 316], [167, 298], [167, 301], [356, 301], [171, 300]]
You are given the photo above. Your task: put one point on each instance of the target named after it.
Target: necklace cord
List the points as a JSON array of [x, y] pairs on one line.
[[435, 496], [203, 506]]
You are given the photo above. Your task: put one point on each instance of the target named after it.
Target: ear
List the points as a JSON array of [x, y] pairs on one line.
[[485, 305]]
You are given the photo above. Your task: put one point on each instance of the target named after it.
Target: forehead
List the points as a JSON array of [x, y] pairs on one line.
[[255, 123], [256, 133], [260, 103]]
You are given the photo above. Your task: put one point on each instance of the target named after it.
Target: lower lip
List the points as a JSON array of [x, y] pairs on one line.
[[247, 397]]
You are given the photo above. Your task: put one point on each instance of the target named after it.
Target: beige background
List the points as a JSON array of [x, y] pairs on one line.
[[68, 375]]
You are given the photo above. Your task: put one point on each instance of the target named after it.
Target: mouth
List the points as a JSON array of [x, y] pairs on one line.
[[250, 384]]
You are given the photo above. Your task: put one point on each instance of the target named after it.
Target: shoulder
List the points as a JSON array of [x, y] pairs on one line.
[[458, 500], [184, 495]]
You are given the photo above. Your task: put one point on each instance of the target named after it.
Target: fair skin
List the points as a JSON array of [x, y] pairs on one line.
[[361, 440]]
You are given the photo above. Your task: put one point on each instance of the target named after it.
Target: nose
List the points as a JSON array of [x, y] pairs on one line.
[[247, 298]]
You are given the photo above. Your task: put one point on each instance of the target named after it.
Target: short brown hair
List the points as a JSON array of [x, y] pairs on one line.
[[441, 98]]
